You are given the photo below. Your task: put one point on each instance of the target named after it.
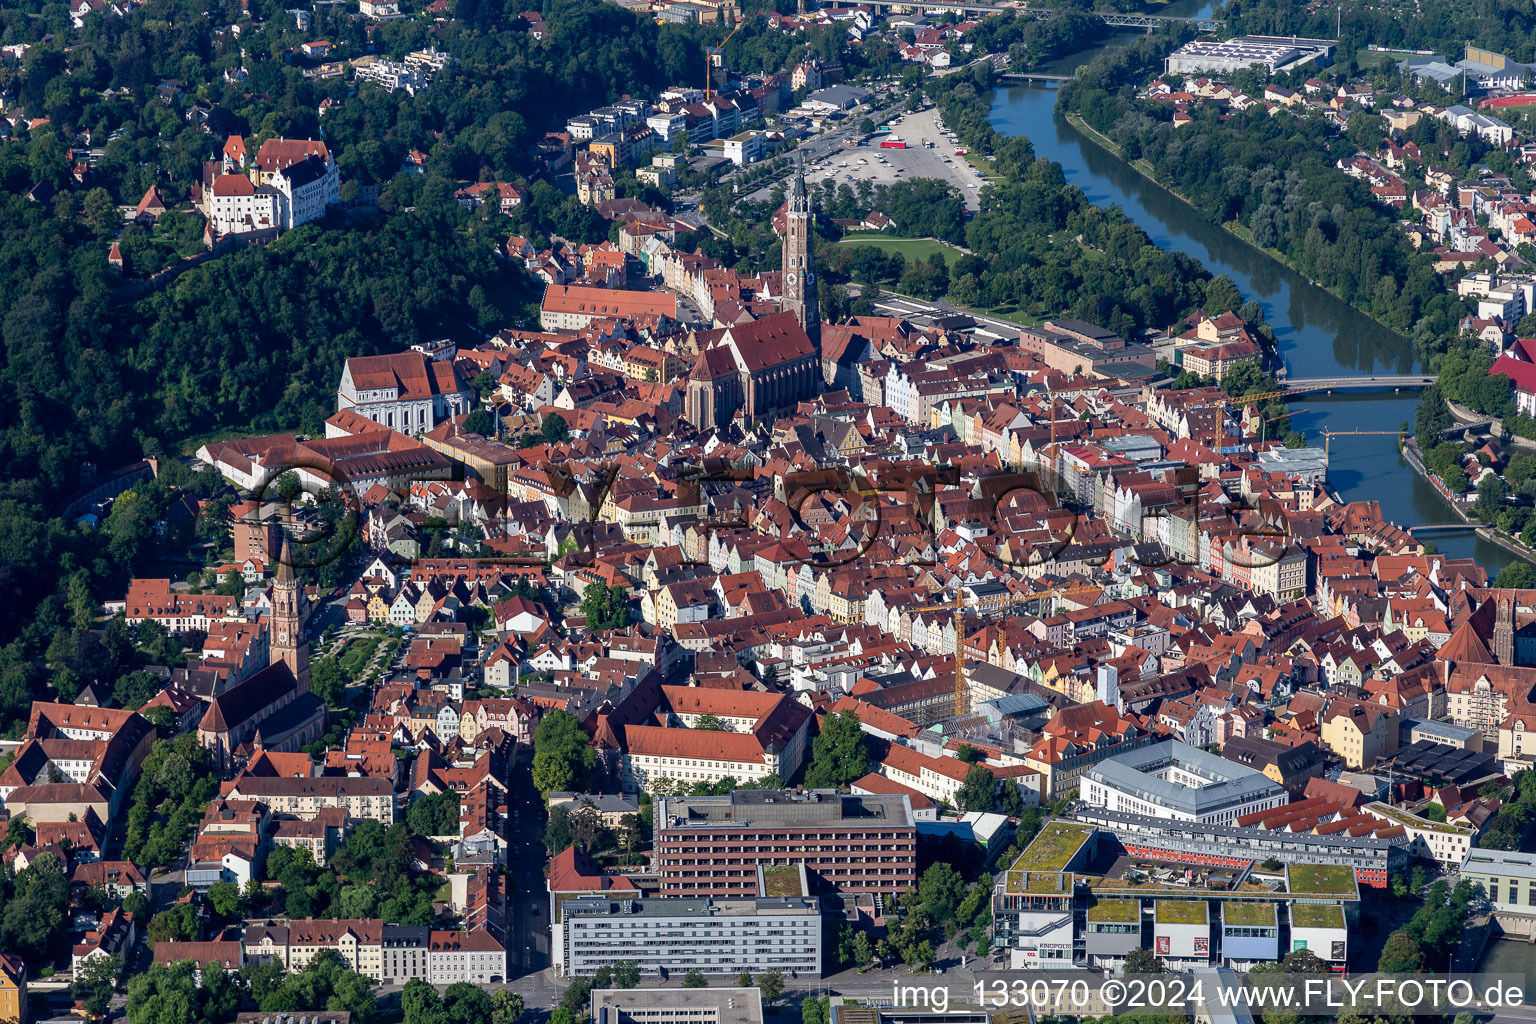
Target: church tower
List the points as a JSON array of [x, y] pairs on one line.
[[798, 271], [287, 636], [1504, 631]]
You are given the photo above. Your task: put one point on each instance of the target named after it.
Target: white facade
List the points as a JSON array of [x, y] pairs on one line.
[[712, 936]]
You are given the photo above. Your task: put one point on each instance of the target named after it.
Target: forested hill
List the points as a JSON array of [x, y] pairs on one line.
[[1507, 26], [254, 340]]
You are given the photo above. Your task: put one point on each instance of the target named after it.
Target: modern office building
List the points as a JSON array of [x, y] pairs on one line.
[[665, 936], [1077, 898], [1179, 782], [712, 845], [677, 1006]]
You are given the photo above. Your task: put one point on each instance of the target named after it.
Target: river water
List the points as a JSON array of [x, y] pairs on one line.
[[1318, 335]]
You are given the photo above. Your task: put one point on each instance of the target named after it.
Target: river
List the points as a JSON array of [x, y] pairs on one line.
[[1318, 334]]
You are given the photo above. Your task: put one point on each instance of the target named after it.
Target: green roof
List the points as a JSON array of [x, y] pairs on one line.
[[1317, 915], [1054, 848], [1418, 821], [1248, 915], [1322, 879], [1182, 912], [782, 880], [1127, 911]]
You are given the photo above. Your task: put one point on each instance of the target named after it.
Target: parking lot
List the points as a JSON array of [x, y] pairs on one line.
[[851, 164]]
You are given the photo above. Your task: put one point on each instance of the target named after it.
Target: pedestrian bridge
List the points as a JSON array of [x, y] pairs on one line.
[[1411, 382]]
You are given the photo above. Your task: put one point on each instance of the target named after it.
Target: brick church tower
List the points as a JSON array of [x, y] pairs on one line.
[[798, 271], [288, 643]]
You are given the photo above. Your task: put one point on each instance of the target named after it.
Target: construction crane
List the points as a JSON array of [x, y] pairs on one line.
[[962, 686], [1329, 435], [715, 57]]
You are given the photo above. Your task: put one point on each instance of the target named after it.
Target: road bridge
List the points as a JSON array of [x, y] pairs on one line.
[[1408, 382], [1022, 76]]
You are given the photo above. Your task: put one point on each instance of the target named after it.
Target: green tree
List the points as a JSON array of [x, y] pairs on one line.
[[1516, 576], [979, 790], [710, 723], [604, 607], [968, 753], [939, 892], [163, 995], [562, 754], [695, 979], [771, 984], [839, 754], [554, 429], [96, 983], [1401, 954], [1142, 961], [626, 974], [328, 681], [225, 899], [506, 1006], [480, 422], [434, 815], [134, 690]]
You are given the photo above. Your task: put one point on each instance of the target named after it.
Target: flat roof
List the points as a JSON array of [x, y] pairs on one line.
[[1122, 911], [1506, 862], [1182, 912], [689, 906], [1317, 915], [1226, 782], [1322, 880], [1248, 914], [775, 807], [697, 1005], [1054, 847]]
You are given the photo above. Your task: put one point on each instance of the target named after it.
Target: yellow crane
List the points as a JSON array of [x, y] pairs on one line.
[[962, 686], [1329, 435], [715, 57]]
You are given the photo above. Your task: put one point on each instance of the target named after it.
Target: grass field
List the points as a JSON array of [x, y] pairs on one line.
[[1376, 58], [910, 248]]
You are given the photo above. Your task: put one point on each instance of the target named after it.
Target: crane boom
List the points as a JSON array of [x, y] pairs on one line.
[[709, 59]]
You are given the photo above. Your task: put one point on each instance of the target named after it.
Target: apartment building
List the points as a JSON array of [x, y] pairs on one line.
[[389, 954], [360, 797]]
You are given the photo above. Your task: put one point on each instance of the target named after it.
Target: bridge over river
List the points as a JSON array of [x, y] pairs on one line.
[[1408, 382]]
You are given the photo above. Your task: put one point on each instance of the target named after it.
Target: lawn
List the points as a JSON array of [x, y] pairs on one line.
[[1368, 59], [1317, 915], [355, 656], [910, 248], [1323, 879], [1248, 915], [1182, 912]]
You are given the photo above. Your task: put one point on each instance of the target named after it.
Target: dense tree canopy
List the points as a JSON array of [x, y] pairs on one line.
[[1276, 178]]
